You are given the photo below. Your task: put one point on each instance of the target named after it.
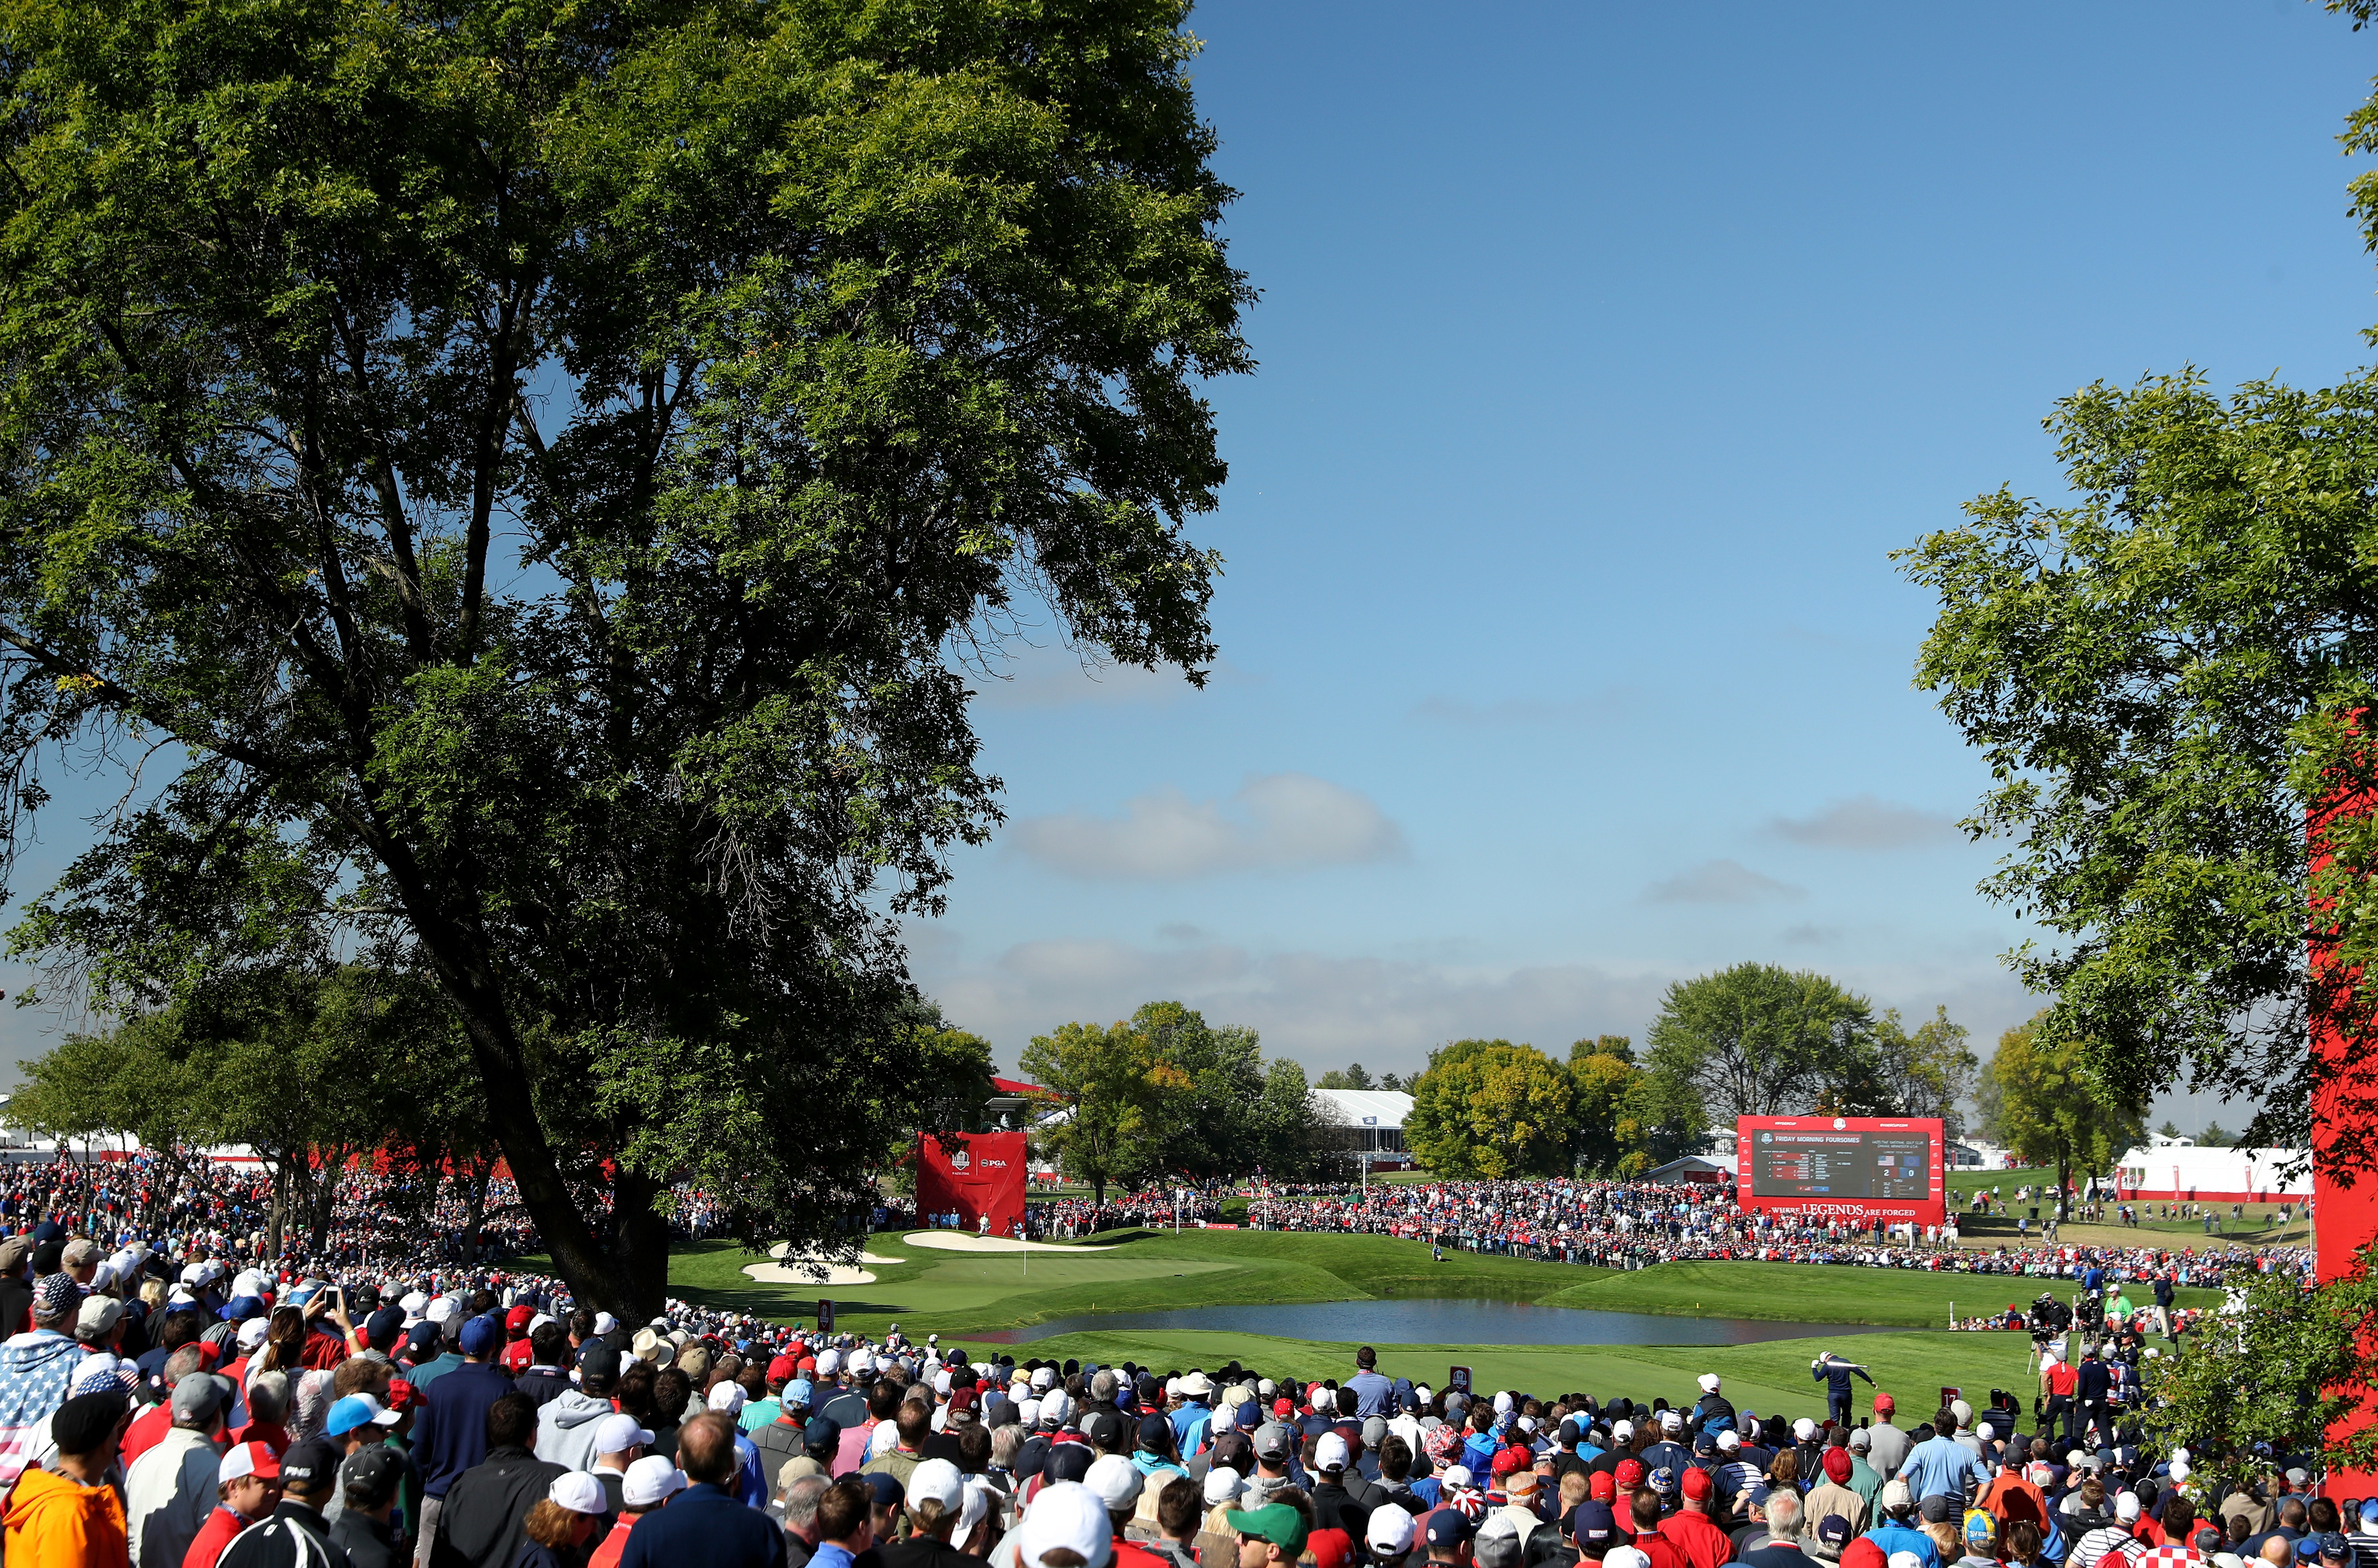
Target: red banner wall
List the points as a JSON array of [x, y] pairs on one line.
[[977, 1173]]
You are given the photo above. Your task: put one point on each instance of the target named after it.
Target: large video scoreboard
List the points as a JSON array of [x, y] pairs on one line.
[[1856, 1168]]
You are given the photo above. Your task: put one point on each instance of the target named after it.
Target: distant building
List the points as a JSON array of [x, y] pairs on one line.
[[2178, 1169], [1369, 1120], [1697, 1170]]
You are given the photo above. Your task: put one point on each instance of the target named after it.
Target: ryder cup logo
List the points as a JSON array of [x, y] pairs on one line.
[[960, 1160], [1840, 1122]]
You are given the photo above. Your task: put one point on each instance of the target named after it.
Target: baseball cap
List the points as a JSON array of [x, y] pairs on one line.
[[483, 1335], [937, 1481], [1389, 1533], [251, 1459], [1329, 1453], [889, 1493], [1590, 1524], [198, 1396], [1884, 1402], [308, 1465], [1069, 1516], [357, 1411], [368, 1478], [1833, 1530], [651, 1481], [1940, 1509], [617, 1433], [1664, 1482], [1116, 1480], [2334, 1548], [1272, 1440], [1278, 1523], [579, 1493]]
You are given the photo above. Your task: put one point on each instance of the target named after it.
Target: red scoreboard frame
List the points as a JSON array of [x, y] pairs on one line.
[[1844, 1135]]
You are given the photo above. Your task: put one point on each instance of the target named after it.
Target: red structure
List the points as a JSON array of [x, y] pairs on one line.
[[1860, 1169], [972, 1174], [2344, 1194]]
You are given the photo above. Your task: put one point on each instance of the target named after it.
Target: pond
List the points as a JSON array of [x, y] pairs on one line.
[[1438, 1323]]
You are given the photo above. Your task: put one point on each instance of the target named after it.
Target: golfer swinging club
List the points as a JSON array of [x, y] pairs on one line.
[[1831, 1371]]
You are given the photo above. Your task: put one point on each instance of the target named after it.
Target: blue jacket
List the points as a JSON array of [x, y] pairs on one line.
[[451, 1434], [703, 1524]]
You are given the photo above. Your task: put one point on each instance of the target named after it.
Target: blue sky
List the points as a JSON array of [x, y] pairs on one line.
[[1607, 351]]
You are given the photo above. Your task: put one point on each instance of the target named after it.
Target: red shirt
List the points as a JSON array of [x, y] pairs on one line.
[[2063, 1379], [1702, 1543], [213, 1536], [607, 1555], [1660, 1550], [148, 1432]]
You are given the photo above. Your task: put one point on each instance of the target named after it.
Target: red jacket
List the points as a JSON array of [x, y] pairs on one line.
[[1702, 1543]]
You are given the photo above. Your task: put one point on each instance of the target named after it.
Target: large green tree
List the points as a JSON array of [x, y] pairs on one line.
[[1215, 1127], [2049, 1104], [1108, 1100], [1610, 1135], [1491, 1109], [1758, 1040], [1927, 1070], [536, 477]]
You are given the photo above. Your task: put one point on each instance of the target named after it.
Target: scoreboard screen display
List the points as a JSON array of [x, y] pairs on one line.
[[1862, 1168]]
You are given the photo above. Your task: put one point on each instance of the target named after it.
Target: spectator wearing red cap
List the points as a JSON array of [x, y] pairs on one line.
[[1887, 1446], [1691, 1528], [519, 1355], [760, 1412], [248, 1487], [1834, 1496]]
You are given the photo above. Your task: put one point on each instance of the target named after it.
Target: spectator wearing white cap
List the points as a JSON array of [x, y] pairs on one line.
[[647, 1483], [935, 1500], [1066, 1517], [619, 1442], [570, 1516]]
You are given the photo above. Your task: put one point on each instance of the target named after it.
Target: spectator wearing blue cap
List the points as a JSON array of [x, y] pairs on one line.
[[450, 1436], [786, 1437]]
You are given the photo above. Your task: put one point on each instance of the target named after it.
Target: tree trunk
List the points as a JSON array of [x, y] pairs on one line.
[[278, 1217], [475, 1181], [326, 1198], [458, 950]]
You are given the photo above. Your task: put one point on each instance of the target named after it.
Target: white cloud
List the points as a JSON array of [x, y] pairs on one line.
[[1323, 1009], [1865, 822], [1275, 821], [1720, 881]]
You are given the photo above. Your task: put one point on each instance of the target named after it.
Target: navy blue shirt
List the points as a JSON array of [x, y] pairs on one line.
[[451, 1434], [704, 1525]]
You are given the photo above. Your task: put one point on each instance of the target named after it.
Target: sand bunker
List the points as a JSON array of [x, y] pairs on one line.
[[804, 1270]]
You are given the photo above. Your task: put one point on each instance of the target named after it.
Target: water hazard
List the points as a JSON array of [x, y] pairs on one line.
[[1439, 1322]]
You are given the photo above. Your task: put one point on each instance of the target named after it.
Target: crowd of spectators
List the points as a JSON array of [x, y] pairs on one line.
[[1636, 1225], [173, 1394]]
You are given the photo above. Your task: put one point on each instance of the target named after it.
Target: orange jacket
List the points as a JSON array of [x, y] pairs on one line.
[[55, 1523]]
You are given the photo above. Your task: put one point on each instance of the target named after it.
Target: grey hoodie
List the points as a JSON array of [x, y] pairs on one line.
[[565, 1429]]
